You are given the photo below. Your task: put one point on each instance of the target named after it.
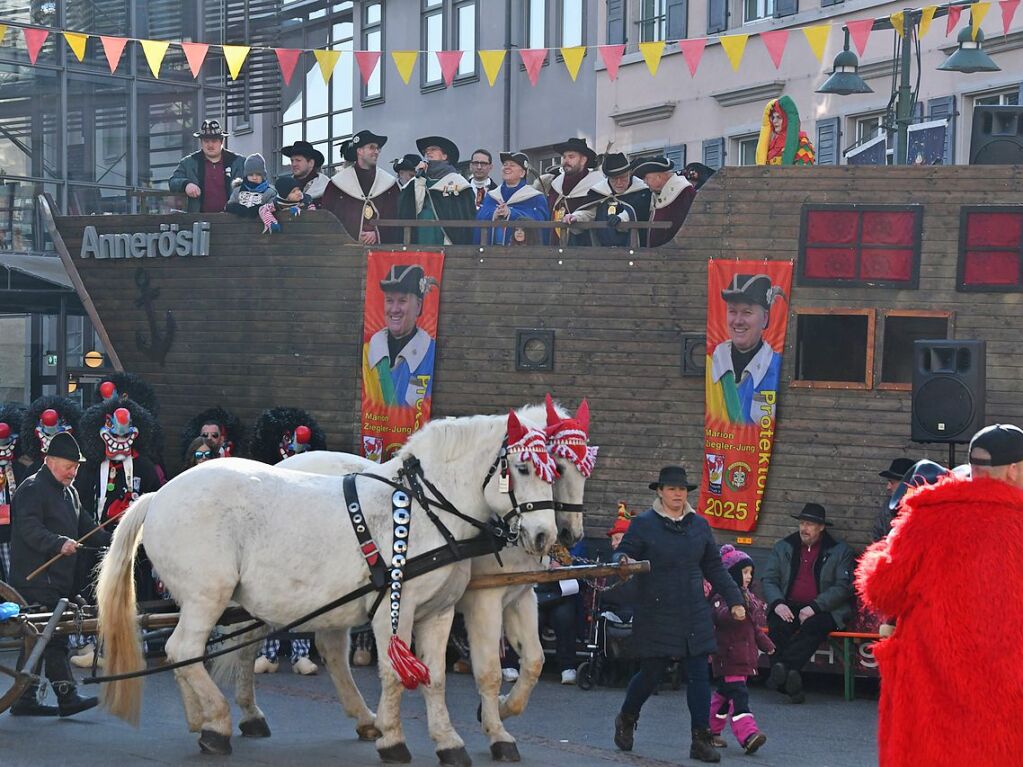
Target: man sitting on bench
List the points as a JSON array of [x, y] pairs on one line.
[[808, 588]]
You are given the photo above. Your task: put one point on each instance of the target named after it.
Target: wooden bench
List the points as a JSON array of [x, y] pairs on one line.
[[850, 638]]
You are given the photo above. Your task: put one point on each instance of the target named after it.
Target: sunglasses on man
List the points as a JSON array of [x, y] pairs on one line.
[[211, 435]]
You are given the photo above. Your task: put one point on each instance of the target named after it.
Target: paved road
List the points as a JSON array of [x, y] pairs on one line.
[[563, 726]]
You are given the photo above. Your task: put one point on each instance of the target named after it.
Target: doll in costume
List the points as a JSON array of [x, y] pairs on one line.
[[781, 141]]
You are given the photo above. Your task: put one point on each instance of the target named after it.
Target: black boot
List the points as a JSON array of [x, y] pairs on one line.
[[69, 702], [29, 705], [625, 727], [703, 747], [776, 679]]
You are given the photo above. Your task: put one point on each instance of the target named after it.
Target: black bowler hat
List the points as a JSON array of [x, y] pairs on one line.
[[673, 476], [897, 470], [210, 129], [644, 165], [304, 149], [577, 145], [407, 162], [63, 445], [446, 145], [519, 158], [615, 164], [813, 512], [362, 138]]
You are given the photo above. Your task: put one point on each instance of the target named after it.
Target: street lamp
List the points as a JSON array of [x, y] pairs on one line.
[[970, 57], [845, 79]]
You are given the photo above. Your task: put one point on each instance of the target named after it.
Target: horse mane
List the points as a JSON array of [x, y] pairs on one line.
[[452, 439]]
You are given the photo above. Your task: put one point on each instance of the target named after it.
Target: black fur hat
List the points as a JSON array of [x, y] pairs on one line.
[[234, 433], [95, 417], [275, 425], [12, 414], [131, 386], [67, 411]]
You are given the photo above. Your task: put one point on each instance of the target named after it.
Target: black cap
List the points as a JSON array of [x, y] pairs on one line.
[[405, 278], [519, 158], [672, 476], [210, 129], [362, 138], [920, 473], [406, 162], [577, 145], [897, 470], [285, 185], [304, 149], [813, 512], [645, 165], [1003, 443], [615, 164], [446, 145], [63, 445]]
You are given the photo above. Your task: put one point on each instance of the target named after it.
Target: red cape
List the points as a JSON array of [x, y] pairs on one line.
[[952, 674]]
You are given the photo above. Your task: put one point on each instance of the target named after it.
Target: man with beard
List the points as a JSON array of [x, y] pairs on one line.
[[438, 193], [620, 198], [568, 192], [306, 161], [206, 176], [673, 195], [361, 193]]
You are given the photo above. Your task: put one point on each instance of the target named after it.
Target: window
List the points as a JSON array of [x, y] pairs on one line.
[[877, 245], [757, 9], [901, 329], [866, 127], [746, 149], [1000, 99], [433, 40], [372, 40], [572, 23], [834, 348], [653, 18], [465, 34], [536, 24], [990, 243]]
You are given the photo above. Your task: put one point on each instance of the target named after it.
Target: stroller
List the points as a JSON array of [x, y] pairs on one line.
[[610, 626]]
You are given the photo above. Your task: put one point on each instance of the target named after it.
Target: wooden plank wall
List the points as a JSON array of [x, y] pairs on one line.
[[276, 320]]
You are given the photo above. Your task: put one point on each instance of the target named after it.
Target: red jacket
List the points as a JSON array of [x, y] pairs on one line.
[[952, 674], [739, 642]]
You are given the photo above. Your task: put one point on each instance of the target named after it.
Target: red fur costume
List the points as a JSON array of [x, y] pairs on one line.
[[952, 674]]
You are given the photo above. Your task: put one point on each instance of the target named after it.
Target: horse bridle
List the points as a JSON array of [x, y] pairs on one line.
[[512, 519]]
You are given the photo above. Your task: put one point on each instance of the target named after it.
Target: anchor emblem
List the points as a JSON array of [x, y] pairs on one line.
[[159, 342]]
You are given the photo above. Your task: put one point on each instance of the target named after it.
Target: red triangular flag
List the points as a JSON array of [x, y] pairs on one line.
[[612, 57], [113, 47], [449, 61], [287, 58], [196, 54], [1008, 11], [692, 52], [859, 31], [775, 41], [533, 59], [954, 12], [34, 39], [367, 61]]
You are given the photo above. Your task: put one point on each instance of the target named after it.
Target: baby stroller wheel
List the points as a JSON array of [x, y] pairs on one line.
[[584, 676]]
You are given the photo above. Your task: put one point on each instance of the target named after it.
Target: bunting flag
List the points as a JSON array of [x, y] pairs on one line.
[[611, 55], [977, 13], [573, 59], [532, 60], [76, 42], [692, 52], [195, 54], [405, 62], [775, 42], [859, 31], [652, 53], [287, 58], [3, 31], [327, 61], [113, 47], [1008, 11], [235, 56], [34, 40], [898, 20], [449, 61], [155, 50], [735, 46], [492, 62], [817, 36], [954, 12], [926, 17], [367, 61]]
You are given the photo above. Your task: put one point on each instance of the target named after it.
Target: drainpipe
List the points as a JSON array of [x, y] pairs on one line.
[[507, 146]]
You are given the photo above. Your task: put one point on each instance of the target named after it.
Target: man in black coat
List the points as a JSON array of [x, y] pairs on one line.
[[672, 615], [47, 520]]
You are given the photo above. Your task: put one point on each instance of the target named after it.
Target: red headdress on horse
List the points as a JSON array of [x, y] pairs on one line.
[[570, 437], [533, 443]]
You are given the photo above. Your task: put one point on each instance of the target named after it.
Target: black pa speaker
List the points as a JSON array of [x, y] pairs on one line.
[[949, 387], [997, 137]]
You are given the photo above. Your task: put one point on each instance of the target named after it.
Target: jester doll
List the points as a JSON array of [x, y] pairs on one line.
[[781, 142], [12, 472]]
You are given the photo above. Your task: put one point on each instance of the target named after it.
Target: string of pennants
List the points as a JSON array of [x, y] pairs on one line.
[[734, 46]]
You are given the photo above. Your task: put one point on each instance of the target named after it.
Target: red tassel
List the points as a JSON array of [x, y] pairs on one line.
[[408, 667]]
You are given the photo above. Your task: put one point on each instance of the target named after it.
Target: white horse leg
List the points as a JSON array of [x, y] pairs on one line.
[[253, 722], [333, 647], [521, 627], [391, 747], [431, 642], [482, 611], [193, 710]]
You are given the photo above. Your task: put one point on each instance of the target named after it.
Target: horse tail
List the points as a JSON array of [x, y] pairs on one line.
[[118, 615]]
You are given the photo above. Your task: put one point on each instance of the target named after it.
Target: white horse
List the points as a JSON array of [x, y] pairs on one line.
[[484, 609], [241, 531]]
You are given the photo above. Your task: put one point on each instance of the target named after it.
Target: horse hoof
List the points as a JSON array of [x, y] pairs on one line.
[[504, 751], [454, 757], [396, 754], [212, 742], [255, 728], [368, 732]]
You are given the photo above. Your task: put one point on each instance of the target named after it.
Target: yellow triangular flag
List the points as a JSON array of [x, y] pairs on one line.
[[492, 62], [898, 20], [817, 36], [327, 61], [76, 42], [235, 55], [652, 53], [574, 59], [155, 50], [3, 31], [405, 61], [977, 13], [926, 17], [735, 46]]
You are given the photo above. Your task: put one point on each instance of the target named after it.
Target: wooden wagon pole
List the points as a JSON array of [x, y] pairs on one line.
[[496, 580]]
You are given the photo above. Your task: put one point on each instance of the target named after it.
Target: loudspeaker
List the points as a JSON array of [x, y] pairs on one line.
[[997, 137], [949, 390]]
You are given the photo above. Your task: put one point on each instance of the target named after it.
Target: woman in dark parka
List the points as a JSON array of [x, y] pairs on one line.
[[673, 618]]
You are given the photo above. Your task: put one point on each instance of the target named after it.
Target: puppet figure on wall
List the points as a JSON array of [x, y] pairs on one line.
[[781, 142], [12, 472]]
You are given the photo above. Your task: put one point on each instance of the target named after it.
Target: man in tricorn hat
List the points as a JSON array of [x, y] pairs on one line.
[[405, 169], [206, 176], [567, 192], [362, 193], [437, 193], [514, 200], [808, 589], [306, 161], [673, 195], [744, 368], [620, 198]]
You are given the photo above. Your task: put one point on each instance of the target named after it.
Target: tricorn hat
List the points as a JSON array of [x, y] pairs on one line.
[[406, 162], [577, 145], [211, 129], [519, 158], [446, 145], [405, 278], [63, 445], [644, 165], [919, 474], [813, 512], [615, 164], [897, 469], [673, 476], [752, 289], [362, 138], [304, 149], [698, 173]]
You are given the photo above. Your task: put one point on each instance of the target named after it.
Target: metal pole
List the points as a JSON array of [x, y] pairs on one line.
[[32, 662], [507, 75], [904, 105]]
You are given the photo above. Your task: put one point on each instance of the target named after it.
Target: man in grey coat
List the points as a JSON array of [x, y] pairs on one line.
[[206, 176], [808, 589]]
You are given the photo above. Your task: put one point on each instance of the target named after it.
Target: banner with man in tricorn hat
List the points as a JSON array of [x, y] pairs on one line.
[[399, 345], [747, 316]]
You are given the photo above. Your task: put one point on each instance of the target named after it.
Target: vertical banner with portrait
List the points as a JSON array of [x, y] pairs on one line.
[[747, 315], [399, 341]]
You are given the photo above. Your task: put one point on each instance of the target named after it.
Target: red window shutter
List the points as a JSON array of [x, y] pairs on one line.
[[830, 263], [886, 264], [888, 228], [994, 230], [991, 267], [831, 227]]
